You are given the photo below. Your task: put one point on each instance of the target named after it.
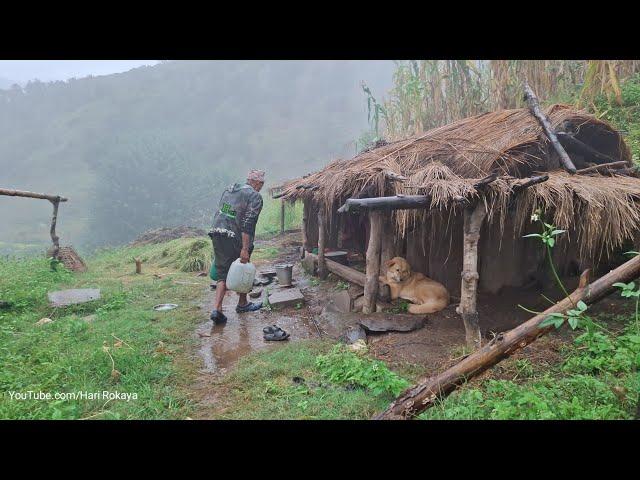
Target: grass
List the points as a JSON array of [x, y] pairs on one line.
[[336, 384], [269, 220], [597, 379], [68, 355]]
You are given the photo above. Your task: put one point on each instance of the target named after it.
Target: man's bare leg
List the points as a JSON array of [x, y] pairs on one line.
[[221, 289], [242, 299]]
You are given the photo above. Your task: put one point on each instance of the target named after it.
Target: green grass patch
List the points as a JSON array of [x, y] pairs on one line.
[[337, 384], [74, 353], [269, 220], [597, 379]]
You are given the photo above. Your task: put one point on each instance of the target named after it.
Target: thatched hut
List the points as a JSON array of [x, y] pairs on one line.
[[460, 198]]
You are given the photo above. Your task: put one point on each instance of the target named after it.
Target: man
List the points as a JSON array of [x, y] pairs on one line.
[[234, 227]]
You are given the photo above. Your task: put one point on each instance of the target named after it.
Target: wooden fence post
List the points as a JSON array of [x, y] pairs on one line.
[[282, 217], [373, 262], [473, 218], [322, 239]]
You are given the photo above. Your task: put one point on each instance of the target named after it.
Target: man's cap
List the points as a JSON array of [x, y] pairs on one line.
[[257, 175]]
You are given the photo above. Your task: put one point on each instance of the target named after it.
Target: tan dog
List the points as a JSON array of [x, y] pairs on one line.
[[428, 296]]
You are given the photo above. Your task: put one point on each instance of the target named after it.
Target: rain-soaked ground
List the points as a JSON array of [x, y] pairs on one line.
[[222, 345]]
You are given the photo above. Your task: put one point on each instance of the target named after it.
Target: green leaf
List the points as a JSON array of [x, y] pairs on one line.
[[557, 232], [551, 242], [581, 306], [533, 235], [547, 321], [573, 322]]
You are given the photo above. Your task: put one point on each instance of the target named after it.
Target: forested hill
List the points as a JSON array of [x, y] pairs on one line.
[[155, 145]]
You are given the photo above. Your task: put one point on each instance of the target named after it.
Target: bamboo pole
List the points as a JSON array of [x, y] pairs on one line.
[[322, 240], [305, 235], [54, 220], [373, 263], [473, 218], [425, 394], [282, 217]]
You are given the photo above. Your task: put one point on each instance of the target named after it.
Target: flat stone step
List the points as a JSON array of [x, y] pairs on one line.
[[283, 297], [64, 298], [389, 322]]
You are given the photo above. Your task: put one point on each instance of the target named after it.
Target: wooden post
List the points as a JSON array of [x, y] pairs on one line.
[[322, 239], [282, 217], [54, 219], [305, 236], [473, 218], [138, 265], [388, 251], [373, 263]]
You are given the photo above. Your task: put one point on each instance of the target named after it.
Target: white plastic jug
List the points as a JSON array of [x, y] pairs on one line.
[[240, 276]]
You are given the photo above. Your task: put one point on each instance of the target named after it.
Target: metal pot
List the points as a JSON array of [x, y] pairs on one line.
[[284, 273]]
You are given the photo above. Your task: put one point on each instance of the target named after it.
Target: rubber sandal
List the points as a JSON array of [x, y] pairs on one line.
[[218, 317], [249, 307], [278, 336], [271, 329]]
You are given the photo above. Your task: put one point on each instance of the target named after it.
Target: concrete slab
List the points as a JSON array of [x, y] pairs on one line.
[[283, 297], [63, 298]]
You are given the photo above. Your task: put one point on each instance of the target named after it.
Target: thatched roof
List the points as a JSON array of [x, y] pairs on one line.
[[445, 163]]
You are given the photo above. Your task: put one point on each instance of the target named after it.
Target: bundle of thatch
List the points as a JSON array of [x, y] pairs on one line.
[[599, 211]]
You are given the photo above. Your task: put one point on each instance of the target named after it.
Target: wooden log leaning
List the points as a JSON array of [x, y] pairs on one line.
[[282, 206], [424, 395], [536, 111], [349, 274], [373, 262]]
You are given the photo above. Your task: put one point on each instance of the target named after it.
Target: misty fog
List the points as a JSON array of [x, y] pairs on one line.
[[155, 146]]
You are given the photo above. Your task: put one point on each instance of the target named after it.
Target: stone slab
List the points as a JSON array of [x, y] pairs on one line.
[[341, 300], [386, 322], [285, 296], [63, 298], [309, 265]]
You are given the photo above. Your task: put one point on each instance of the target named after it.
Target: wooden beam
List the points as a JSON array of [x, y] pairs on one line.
[[305, 236], [536, 111], [373, 263], [521, 185], [424, 395], [571, 143], [405, 202], [22, 193], [473, 218], [282, 217], [322, 242], [603, 166], [349, 274]]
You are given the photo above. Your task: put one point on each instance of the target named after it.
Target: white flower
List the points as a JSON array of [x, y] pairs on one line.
[[535, 217]]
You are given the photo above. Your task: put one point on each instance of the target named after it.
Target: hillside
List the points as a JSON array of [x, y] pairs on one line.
[[155, 145]]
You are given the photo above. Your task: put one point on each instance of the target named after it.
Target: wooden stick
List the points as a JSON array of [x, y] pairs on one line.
[[22, 193], [603, 166], [139, 265], [571, 143], [536, 111], [373, 263], [427, 392], [473, 218], [54, 237], [349, 274], [305, 235], [322, 241], [518, 186], [282, 217]]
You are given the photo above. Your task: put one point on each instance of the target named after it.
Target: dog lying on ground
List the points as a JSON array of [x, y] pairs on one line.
[[427, 296]]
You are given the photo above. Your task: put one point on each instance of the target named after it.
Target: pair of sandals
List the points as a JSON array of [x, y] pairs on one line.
[[273, 333]]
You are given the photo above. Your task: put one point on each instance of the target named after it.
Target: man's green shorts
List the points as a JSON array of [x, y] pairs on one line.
[[226, 250]]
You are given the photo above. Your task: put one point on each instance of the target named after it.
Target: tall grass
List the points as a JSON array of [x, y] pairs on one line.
[[430, 93], [269, 220]]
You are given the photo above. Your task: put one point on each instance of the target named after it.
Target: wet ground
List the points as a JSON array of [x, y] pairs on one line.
[[434, 347], [222, 345]]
